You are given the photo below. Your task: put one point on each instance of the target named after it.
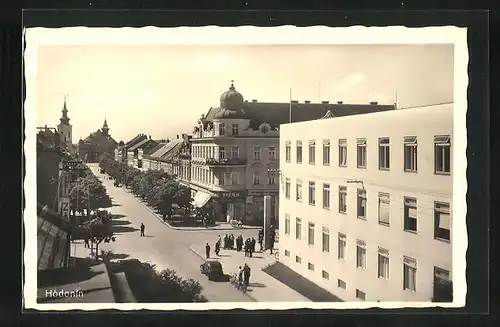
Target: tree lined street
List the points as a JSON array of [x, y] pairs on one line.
[[163, 246]]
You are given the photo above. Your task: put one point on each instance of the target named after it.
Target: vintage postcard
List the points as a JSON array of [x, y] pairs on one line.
[[257, 168]]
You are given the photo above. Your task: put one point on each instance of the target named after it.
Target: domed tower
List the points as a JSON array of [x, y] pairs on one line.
[[105, 128], [64, 128], [231, 104]]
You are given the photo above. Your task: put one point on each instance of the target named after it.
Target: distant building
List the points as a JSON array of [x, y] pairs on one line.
[[96, 144], [165, 157], [121, 150], [365, 203], [235, 152], [183, 160], [136, 151]]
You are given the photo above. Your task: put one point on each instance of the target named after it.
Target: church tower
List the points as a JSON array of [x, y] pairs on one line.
[[105, 128], [64, 128]]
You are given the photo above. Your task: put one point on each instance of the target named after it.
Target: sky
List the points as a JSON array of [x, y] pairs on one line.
[[162, 90]]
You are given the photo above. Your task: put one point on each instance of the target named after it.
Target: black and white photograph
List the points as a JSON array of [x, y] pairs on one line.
[[234, 167]]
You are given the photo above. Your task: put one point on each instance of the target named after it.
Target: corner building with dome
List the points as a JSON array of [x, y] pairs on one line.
[[235, 152]]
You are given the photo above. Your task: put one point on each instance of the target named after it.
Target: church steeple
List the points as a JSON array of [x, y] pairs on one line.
[[105, 128], [64, 118]]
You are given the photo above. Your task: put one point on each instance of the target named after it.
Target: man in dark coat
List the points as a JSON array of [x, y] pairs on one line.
[[252, 246], [143, 228], [261, 239], [207, 251], [272, 238], [217, 248], [246, 274]]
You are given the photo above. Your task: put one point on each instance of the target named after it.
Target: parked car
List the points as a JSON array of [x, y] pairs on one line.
[[212, 269]]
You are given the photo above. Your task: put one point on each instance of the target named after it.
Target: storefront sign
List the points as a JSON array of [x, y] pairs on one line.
[[231, 195], [262, 194]]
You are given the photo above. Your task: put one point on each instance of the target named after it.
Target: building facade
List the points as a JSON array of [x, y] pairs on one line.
[[162, 157], [234, 164], [235, 152], [136, 152], [365, 203], [96, 144]]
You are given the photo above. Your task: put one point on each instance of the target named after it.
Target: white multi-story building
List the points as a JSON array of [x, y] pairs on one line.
[[365, 203]]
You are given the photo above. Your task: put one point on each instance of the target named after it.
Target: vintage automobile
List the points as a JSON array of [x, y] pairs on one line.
[[212, 269]]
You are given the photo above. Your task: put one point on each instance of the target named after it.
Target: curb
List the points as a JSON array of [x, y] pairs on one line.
[[189, 229], [202, 257]]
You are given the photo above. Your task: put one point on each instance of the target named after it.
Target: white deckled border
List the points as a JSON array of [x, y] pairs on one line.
[[213, 35]]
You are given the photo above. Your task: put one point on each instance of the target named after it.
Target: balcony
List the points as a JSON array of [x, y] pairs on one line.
[[226, 162]]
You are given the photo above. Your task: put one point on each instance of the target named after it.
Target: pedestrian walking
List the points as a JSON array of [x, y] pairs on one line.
[[207, 251], [240, 276], [217, 248], [272, 238], [246, 274], [143, 228], [261, 239], [86, 242], [252, 246], [231, 242]]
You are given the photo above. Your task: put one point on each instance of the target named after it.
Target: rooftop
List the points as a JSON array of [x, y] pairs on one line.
[[276, 114]]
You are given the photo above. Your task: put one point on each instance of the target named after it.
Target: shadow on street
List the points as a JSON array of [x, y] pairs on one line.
[[117, 216], [123, 229], [120, 222]]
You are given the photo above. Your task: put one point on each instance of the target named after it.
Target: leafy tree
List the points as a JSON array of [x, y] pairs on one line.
[[88, 193], [182, 197], [165, 195], [99, 232]]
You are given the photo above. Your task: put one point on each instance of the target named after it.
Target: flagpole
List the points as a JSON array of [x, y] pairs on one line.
[[290, 108]]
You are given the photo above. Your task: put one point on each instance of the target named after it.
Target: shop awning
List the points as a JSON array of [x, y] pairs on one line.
[[200, 199]]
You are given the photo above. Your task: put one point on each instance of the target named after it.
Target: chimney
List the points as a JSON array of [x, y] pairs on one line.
[[340, 102], [150, 137], [373, 103], [307, 101], [325, 102], [254, 100], [177, 136], [295, 101]]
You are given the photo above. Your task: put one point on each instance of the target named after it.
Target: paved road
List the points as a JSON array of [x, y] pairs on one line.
[[163, 246]]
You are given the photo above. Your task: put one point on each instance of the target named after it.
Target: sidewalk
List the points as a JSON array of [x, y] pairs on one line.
[[220, 226], [88, 282], [263, 287]]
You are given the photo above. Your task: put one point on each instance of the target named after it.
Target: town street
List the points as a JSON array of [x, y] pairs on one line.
[[163, 246]]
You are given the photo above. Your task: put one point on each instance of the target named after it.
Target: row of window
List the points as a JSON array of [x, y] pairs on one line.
[[206, 151], [234, 129], [409, 270], [442, 153], [231, 178], [442, 216]]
